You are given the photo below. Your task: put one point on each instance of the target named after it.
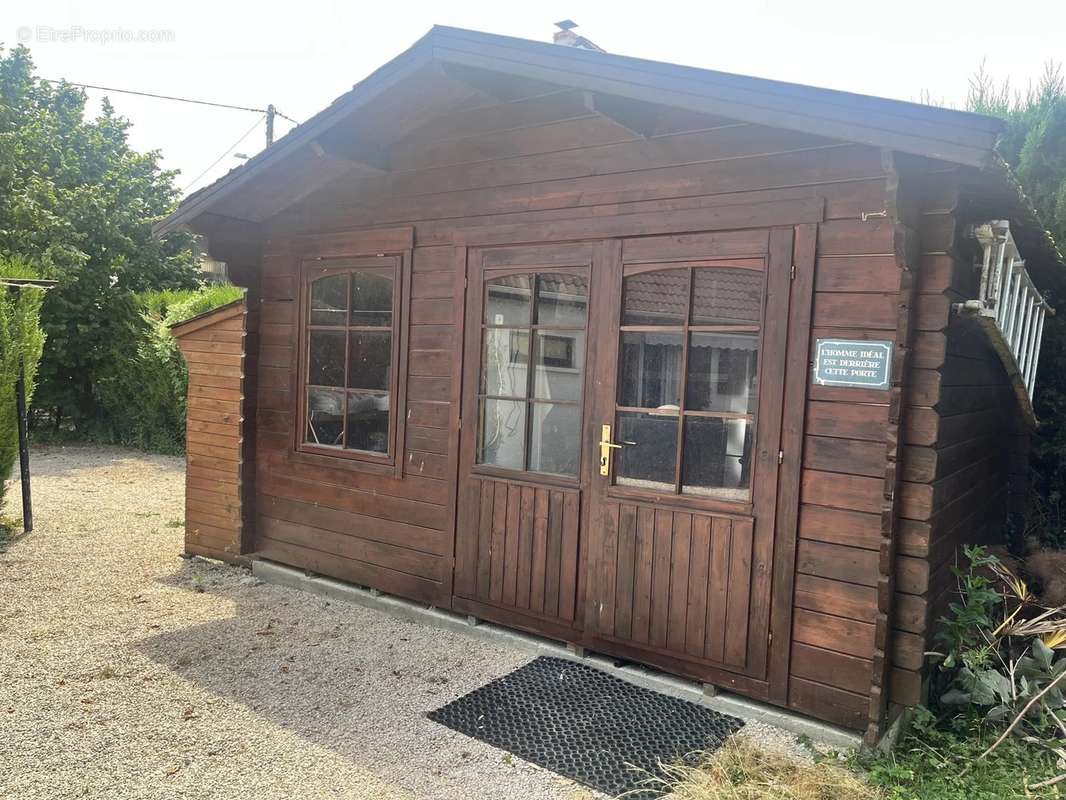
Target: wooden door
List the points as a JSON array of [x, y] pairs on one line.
[[690, 377], [524, 453]]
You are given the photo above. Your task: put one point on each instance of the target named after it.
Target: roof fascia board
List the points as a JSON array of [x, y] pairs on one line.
[[361, 94], [739, 105], [965, 120]]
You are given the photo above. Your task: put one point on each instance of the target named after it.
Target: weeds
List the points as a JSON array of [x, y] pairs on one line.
[[9, 530], [934, 762], [741, 770]]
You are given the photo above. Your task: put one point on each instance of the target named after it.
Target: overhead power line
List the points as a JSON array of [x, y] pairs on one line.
[[171, 97], [225, 153]]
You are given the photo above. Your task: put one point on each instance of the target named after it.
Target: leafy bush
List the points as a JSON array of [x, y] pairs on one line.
[[140, 398], [1000, 659], [21, 342]]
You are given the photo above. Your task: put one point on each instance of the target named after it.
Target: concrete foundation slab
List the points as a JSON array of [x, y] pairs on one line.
[[648, 678]]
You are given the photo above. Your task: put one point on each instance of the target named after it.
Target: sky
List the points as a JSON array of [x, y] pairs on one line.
[[300, 56]]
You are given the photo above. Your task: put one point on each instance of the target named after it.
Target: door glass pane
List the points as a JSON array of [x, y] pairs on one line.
[[329, 301], [371, 300], [505, 361], [717, 457], [722, 372], [726, 296], [559, 364], [656, 298], [651, 370], [562, 300], [507, 300], [649, 450], [326, 360], [556, 438], [325, 417], [368, 422], [369, 359], [502, 433]]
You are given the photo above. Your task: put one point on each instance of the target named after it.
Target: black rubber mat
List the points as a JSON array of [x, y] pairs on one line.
[[587, 725]]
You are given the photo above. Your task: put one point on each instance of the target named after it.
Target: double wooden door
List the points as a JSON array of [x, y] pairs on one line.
[[621, 444]]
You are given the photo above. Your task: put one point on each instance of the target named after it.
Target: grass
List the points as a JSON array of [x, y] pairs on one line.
[[9, 530], [740, 770], [931, 763]]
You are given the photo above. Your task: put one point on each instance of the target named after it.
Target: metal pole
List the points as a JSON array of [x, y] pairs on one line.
[[24, 449], [270, 124]]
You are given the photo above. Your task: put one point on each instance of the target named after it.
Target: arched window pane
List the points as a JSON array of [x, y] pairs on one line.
[[507, 300], [723, 296], [656, 298], [329, 300], [371, 300], [562, 300]]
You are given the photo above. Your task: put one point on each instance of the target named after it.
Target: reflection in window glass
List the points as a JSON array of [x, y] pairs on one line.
[[559, 365], [556, 438], [502, 433], [726, 296], [325, 417], [505, 362], [651, 370], [714, 370], [507, 300], [368, 422], [349, 346], [717, 457], [371, 300], [507, 415], [721, 372], [562, 300], [329, 300], [656, 298], [648, 457], [326, 362], [369, 359]]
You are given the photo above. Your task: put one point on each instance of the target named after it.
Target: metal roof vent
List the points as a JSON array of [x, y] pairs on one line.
[[566, 37]]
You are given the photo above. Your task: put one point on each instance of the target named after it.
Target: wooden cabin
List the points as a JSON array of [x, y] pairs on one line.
[[702, 371]]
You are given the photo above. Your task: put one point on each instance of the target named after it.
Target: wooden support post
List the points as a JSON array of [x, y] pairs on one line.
[[24, 449]]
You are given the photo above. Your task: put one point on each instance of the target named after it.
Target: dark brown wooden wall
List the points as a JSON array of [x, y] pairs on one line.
[[962, 424], [214, 350], [549, 159]]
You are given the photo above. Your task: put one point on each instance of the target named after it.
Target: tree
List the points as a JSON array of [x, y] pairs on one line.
[[1034, 144], [78, 202], [21, 342]]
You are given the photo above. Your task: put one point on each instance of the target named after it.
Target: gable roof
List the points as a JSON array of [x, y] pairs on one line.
[[955, 136]]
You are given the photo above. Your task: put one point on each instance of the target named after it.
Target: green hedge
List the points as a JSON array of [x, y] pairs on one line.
[[21, 341], [140, 401]]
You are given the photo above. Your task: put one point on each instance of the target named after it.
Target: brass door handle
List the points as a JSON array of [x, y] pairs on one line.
[[606, 446]]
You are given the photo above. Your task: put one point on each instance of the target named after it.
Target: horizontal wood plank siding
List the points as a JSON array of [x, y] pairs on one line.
[[957, 435], [553, 167], [214, 349]]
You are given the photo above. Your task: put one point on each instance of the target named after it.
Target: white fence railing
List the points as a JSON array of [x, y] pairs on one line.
[[1009, 299]]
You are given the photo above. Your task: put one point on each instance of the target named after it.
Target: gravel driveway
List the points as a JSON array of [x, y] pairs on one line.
[[128, 672]]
